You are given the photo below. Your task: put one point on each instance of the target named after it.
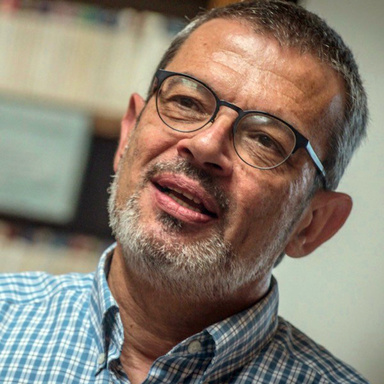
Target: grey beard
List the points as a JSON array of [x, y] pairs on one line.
[[191, 270], [205, 269], [195, 270]]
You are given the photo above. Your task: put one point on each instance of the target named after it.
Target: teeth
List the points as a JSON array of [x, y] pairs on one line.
[[196, 200], [183, 203], [187, 195]]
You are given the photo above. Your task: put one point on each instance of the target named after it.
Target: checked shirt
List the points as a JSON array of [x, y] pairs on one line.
[[67, 329]]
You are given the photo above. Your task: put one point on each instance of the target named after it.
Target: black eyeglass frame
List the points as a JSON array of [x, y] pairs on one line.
[[300, 140]]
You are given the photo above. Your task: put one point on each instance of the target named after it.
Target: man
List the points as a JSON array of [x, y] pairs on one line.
[[230, 162]]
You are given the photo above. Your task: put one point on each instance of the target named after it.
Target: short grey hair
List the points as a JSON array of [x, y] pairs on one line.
[[293, 26]]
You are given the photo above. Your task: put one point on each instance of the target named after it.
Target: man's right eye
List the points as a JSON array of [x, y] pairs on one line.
[[184, 104]]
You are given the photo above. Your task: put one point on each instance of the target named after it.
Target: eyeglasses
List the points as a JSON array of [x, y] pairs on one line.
[[261, 140]]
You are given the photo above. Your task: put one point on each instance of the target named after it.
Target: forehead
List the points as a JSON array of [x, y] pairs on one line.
[[256, 72]]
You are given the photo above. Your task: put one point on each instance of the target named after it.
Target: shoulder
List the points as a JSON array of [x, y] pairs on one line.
[[30, 287], [301, 351], [44, 323]]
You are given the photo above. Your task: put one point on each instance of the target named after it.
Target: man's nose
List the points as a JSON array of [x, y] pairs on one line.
[[210, 148]]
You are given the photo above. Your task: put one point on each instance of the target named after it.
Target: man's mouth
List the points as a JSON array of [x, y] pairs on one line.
[[186, 199]]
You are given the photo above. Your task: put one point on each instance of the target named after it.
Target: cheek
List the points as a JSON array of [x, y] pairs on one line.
[[259, 211], [146, 144], [260, 192]]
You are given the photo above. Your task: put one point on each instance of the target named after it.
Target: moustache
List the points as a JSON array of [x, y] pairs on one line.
[[182, 166]]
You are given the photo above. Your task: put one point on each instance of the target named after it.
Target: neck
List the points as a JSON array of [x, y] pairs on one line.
[[154, 321]]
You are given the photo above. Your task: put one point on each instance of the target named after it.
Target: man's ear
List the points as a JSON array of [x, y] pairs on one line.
[[324, 216], [128, 123]]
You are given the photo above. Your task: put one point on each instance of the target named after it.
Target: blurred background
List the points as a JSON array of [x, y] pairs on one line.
[[67, 69]]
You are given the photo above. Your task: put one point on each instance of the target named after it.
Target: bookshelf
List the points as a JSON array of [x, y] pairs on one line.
[[185, 8], [80, 56]]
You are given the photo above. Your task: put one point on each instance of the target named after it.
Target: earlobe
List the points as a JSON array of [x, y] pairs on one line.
[[128, 123], [324, 216]]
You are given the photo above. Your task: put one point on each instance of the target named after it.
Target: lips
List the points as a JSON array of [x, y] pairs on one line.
[[184, 198]]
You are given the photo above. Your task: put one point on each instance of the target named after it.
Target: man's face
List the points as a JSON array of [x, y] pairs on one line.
[[189, 195]]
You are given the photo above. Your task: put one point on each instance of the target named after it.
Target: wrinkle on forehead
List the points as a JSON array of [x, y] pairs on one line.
[[260, 50], [240, 59], [232, 60]]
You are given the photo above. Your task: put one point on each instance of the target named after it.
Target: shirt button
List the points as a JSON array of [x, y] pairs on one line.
[[101, 358], [194, 347]]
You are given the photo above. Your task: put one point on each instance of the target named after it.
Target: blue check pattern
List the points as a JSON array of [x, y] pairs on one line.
[[67, 329]]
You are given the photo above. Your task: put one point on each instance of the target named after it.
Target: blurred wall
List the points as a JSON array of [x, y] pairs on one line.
[[336, 295]]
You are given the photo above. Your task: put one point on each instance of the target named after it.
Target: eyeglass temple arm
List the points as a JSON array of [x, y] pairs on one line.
[[317, 161]]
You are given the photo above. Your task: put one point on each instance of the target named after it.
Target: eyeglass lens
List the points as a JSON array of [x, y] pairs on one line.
[[259, 139]]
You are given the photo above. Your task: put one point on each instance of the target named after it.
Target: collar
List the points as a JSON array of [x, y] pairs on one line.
[[225, 345], [230, 344], [240, 338], [105, 321]]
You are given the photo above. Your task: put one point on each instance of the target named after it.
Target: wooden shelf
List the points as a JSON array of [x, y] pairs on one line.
[[185, 8]]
